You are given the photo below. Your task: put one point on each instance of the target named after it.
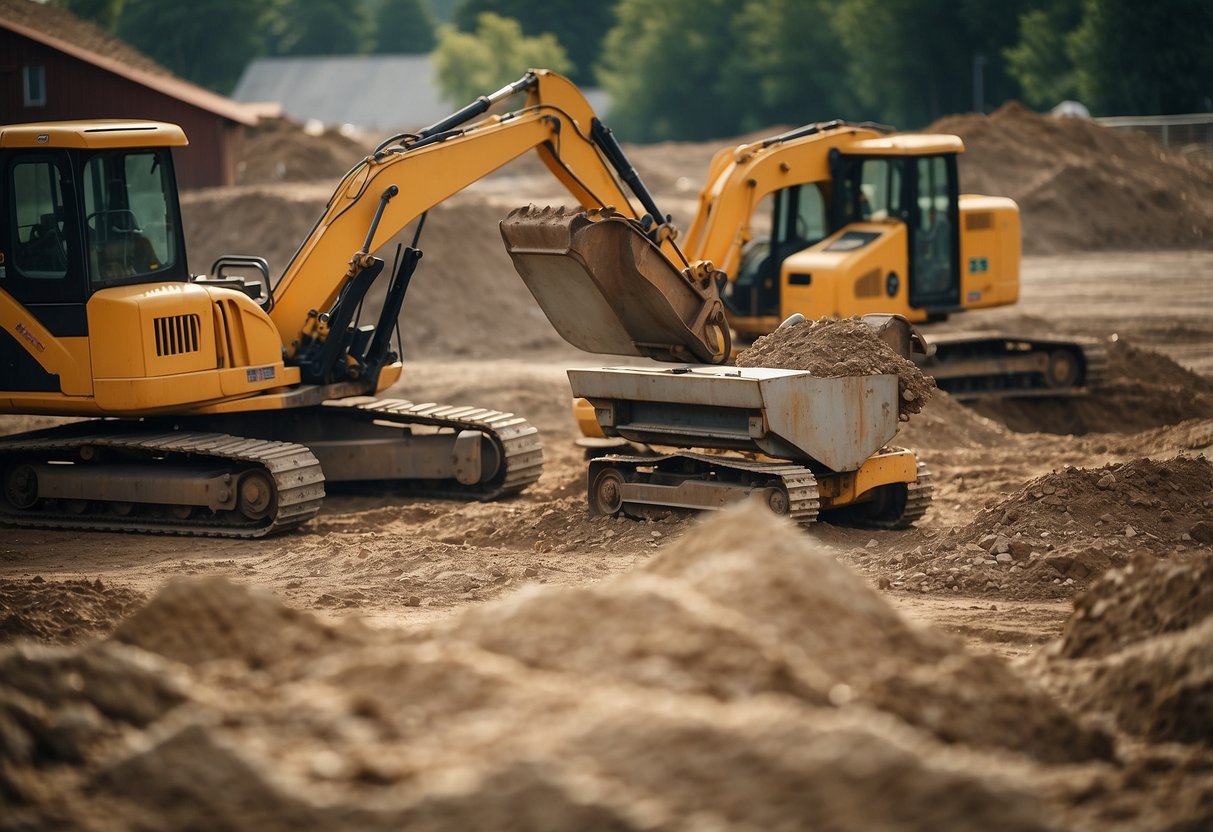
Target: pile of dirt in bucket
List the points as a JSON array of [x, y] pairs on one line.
[[728, 684], [1060, 169], [838, 347], [1059, 532], [62, 612]]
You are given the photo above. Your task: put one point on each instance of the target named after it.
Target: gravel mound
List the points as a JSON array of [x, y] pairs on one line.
[[1053, 536]]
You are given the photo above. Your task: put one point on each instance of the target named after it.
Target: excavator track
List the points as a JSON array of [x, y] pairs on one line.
[[792, 489], [516, 440], [289, 490], [891, 508], [973, 366]]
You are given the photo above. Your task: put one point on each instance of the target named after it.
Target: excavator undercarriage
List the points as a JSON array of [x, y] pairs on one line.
[[235, 476]]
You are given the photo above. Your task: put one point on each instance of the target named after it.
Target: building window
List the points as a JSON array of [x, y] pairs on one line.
[[35, 85]]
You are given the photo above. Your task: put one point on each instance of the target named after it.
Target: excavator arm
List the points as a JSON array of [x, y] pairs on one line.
[[410, 173]]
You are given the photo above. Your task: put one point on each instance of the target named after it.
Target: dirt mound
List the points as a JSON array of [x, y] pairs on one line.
[[945, 424], [57, 704], [1139, 648], [1142, 497], [278, 151], [62, 612], [647, 631], [212, 619], [1081, 186], [1053, 536], [1143, 389], [833, 348], [465, 298], [727, 685], [800, 595], [1144, 599]]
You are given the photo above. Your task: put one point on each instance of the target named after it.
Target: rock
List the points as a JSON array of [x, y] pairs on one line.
[[1130, 531], [1106, 482], [1004, 557], [1002, 547], [1202, 531], [987, 542], [412, 601], [530, 572], [1020, 549]]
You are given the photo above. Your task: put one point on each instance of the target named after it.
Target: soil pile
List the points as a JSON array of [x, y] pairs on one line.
[[278, 151], [1144, 599], [1143, 389], [211, 619], [1139, 648], [833, 348], [465, 298], [1081, 186], [1059, 532], [726, 685], [62, 612], [945, 425]]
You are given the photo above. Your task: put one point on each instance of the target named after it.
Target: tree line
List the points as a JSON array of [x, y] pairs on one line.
[[698, 69]]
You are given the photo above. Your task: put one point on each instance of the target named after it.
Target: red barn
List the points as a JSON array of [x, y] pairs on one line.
[[55, 67]]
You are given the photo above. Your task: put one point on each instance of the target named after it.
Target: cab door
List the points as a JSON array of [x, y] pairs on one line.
[[933, 237], [41, 263]]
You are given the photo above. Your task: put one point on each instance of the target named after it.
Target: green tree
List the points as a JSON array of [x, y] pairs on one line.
[[915, 60], [787, 66], [663, 67], [1040, 60], [320, 27], [1136, 58], [104, 13], [578, 25], [404, 26], [468, 65], [170, 33]]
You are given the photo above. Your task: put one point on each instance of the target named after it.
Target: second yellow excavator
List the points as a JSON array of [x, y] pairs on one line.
[[842, 219]]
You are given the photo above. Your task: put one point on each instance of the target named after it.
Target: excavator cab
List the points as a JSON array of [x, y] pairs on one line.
[[891, 219]]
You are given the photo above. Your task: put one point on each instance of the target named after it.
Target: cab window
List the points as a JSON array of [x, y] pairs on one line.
[[873, 190], [129, 216], [39, 231]]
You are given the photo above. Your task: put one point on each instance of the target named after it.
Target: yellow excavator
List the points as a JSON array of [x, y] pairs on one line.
[[221, 404], [841, 219]]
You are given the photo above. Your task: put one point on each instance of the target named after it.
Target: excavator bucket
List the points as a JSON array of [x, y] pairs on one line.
[[607, 288]]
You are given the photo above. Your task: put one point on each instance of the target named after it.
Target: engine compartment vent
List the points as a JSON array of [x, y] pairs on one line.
[[176, 334]]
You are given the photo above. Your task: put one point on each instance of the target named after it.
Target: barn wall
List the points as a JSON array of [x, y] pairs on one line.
[[76, 89]]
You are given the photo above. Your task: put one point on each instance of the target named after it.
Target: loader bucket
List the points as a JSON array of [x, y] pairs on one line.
[[607, 288]]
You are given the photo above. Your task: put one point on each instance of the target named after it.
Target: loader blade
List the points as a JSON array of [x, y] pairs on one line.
[[607, 288]]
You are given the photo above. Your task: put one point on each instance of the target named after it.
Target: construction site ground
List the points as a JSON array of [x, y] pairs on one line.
[[946, 664]]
